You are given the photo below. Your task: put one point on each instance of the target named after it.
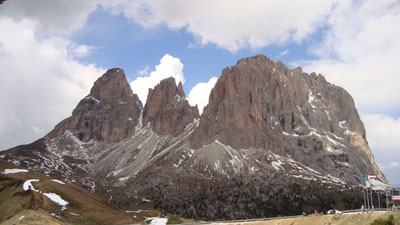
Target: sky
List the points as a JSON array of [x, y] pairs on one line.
[[51, 52]]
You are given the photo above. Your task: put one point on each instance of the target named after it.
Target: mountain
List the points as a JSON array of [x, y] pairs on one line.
[[271, 141]]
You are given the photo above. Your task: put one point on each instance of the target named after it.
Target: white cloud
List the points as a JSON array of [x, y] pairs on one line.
[[144, 72], [233, 24], [383, 134], [360, 52], [200, 93], [81, 50], [285, 52], [41, 82], [169, 67], [394, 165], [53, 17]]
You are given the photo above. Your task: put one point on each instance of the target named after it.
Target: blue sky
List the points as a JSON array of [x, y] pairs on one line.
[[52, 51], [122, 43]]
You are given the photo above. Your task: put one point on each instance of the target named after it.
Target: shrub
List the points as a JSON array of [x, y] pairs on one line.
[[381, 221]]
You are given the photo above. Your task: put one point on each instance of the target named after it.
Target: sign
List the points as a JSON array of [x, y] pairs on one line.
[[369, 177], [396, 197]]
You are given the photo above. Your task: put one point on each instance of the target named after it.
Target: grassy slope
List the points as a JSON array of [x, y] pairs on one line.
[[91, 209]]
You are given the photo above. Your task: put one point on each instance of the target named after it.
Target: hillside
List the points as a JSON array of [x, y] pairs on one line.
[[18, 200]]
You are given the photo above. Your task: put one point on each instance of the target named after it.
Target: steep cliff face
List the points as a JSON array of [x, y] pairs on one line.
[[168, 109], [109, 113], [259, 103]]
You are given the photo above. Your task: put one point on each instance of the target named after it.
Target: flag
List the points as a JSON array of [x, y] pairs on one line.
[[369, 177]]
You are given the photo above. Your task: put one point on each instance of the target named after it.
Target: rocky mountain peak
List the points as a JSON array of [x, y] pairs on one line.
[[109, 113], [112, 85], [167, 108], [262, 104]]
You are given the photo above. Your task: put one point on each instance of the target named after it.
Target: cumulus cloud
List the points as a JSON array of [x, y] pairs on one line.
[[360, 52], [233, 24], [41, 82], [383, 133], [394, 165], [53, 17], [169, 67], [285, 52], [200, 93]]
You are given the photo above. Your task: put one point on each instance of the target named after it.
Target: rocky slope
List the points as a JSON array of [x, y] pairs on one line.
[[271, 141]]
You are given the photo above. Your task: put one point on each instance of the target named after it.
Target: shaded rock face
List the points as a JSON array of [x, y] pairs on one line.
[[168, 109], [262, 104], [109, 113]]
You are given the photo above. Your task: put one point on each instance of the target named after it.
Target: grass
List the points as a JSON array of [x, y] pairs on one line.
[[382, 221], [174, 220], [346, 219]]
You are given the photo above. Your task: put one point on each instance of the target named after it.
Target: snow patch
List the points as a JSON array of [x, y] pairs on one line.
[[93, 98], [57, 181], [311, 98], [28, 185], [159, 221], [342, 124], [114, 173], [11, 171], [179, 163], [123, 178], [287, 134], [329, 149], [277, 164], [56, 199]]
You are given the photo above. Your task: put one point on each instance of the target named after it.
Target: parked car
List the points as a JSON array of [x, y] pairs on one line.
[[334, 211]]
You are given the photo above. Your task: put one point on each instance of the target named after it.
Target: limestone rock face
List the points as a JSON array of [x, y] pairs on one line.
[[262, 104], [109, 113], [168, 109]]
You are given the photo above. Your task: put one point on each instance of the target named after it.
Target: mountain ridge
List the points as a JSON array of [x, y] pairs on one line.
[[265, 126]]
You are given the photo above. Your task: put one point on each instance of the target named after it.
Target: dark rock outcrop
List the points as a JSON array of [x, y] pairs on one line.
[[168, 109], [109, 113]]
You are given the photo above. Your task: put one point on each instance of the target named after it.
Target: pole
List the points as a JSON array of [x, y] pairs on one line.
[[379, 199], [372, 202], [387, 200], [368, 198], [392, 199], [365, 204]]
